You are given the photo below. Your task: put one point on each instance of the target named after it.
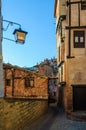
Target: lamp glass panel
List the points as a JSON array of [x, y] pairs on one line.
[[20, 37]]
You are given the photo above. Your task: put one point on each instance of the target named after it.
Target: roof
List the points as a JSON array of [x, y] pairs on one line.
[[55, 6], [10, 66]]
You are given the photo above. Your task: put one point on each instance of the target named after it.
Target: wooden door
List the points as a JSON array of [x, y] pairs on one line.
[[79, 97]]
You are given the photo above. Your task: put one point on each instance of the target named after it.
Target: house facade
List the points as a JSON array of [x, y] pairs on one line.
[[71, 52], [23, 83], [49, 68]]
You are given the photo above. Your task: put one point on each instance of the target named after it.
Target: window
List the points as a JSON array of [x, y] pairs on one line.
[[8, 82], [83, 5], [79, 39], [29, 82]]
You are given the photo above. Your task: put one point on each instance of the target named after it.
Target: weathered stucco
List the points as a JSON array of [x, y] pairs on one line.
[[71, 61]]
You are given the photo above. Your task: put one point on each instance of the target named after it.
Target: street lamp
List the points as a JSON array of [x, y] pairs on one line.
[[20, 37], [19, 34]]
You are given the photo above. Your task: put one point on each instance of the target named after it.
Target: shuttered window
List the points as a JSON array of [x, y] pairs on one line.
[[79, 39]]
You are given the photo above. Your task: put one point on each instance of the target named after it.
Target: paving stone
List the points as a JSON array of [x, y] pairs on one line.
[[56, 119]]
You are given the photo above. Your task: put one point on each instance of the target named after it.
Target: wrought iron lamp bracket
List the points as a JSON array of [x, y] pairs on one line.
[[10, 23]]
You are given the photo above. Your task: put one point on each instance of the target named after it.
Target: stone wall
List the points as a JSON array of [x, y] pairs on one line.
[[15, 114]]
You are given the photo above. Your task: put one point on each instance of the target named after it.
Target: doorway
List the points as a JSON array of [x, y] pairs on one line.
[[79, 97]]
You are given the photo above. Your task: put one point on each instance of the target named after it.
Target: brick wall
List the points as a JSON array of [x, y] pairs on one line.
[[15, 114]]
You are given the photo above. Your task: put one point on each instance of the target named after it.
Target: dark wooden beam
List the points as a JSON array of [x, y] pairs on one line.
[[75, 27], [79, 14], [13, 74], [75, 2], [69, 40], [5, 81], [61, 63]]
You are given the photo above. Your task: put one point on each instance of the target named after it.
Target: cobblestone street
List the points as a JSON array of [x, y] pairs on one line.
[[56, 119]]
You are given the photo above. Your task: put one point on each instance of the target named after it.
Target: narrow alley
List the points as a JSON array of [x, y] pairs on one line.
[[56, 119]]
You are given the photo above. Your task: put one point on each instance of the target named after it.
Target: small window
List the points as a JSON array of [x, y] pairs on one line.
[[8, 82], [79, 39], [83, 5], [29, 82]]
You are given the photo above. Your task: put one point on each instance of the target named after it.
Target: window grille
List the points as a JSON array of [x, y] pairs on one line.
[[79, 39], [83, 4]]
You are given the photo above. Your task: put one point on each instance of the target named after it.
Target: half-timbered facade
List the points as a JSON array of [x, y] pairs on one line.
[[71, 52], [22, 83]]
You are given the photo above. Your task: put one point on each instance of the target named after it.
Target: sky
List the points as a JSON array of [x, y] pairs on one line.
[[37, 18]]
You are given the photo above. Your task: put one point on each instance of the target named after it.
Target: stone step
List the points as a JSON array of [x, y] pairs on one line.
[[78, 115]]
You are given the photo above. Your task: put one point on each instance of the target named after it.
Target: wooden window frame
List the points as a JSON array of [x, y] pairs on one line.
[[79, 35], [8, 82], [29, 82]]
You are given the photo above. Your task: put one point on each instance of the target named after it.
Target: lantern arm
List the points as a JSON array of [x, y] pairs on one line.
[[8, 39], [10, 23], [19, 34]]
